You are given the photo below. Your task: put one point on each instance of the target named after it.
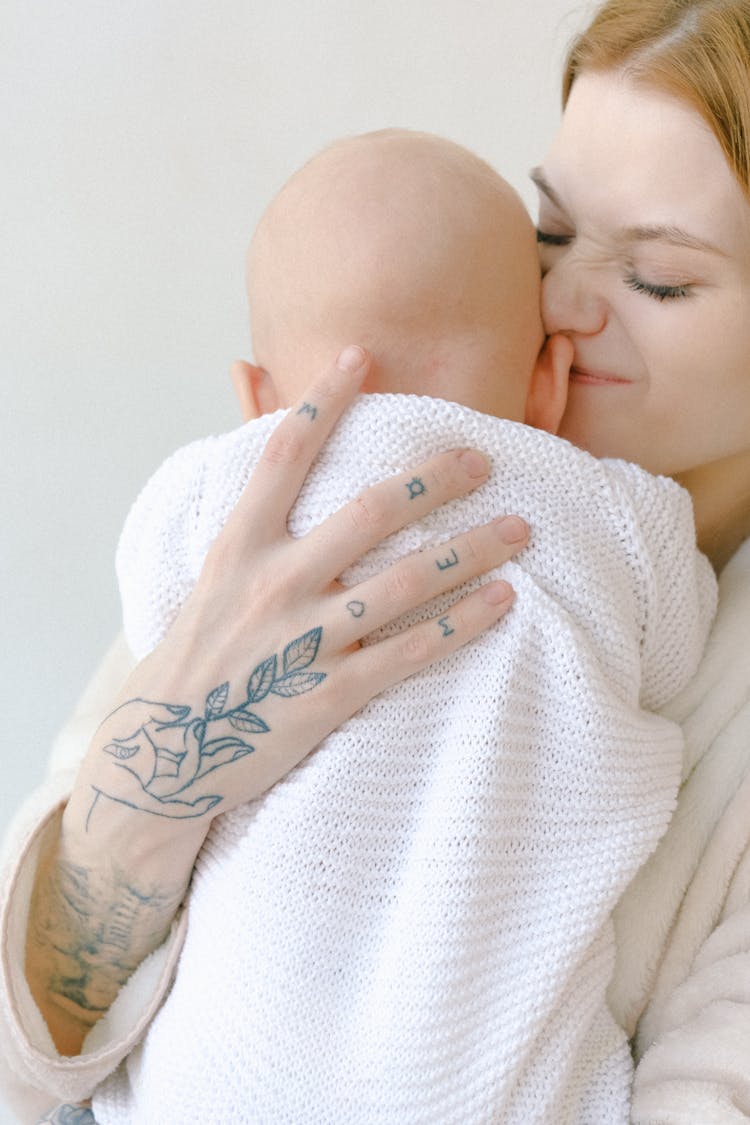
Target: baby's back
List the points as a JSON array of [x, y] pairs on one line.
[[415, 922]]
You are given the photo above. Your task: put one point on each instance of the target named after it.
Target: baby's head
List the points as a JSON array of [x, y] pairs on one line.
[[413, 247]]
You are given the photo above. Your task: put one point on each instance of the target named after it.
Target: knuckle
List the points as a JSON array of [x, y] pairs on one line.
[[416, 649], [450, 471], [472, 548], [284, 447], [326, 388], [366, 512], [276, 588], [403, 585], [444, 472]]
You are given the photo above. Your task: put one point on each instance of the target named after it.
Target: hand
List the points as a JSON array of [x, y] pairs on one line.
[[264, 660]]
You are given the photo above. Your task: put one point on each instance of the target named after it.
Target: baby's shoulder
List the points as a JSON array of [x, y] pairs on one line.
[[203, 471]]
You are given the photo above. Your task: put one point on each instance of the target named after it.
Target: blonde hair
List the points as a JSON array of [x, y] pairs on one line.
[[698, 50]]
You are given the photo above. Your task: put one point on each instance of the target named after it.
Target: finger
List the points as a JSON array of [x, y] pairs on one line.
[[291, 449], [390, 505], [422, 576], [133, 716], [372, 669]]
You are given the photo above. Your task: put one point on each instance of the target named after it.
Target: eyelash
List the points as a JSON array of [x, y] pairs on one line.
[[552, 239], [657, 292]]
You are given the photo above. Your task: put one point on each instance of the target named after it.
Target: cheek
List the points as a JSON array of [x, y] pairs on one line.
[[710, 355], [685, 347], [699, 383]]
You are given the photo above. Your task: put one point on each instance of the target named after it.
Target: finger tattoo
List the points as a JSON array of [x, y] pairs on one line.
[[447, 563], [416, 488]]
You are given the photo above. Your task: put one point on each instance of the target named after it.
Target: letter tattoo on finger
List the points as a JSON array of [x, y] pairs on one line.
[[447, 631], [447, 563], [306, 408]]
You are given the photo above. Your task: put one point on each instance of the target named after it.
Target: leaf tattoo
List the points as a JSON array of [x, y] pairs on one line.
[[302, 652], [297, 683], [247, 721], [259, 684], [166, 753], [216, 700]]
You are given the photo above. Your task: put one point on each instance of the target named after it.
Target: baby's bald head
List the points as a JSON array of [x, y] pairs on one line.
[[413, 247]]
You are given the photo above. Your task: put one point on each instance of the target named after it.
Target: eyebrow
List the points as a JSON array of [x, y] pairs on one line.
[[651, 232]]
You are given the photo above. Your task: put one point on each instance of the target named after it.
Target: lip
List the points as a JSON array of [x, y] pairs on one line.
[[587, 377]]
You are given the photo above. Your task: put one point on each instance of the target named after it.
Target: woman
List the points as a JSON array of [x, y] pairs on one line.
[[645, 236]]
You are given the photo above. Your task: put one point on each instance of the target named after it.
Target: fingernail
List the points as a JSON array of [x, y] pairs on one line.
[[475, 464], [497, 592], [512, 529], [350, 359]]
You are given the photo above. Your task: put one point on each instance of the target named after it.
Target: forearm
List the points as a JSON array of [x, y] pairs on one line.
[[103, 900]]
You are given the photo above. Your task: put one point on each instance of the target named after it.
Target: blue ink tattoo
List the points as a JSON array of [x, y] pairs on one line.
[[306, 408], [356, 608], [167, 752], [68, 1115], [447, 631], [446, 564], [416, 488]]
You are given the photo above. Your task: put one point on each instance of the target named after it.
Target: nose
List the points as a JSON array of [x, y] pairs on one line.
[[572, 303]]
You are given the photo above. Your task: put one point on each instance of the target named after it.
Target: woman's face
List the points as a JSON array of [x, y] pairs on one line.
[[645, 243]]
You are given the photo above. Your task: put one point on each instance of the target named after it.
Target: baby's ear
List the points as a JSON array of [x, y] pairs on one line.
[[254, 389], [548, 391]]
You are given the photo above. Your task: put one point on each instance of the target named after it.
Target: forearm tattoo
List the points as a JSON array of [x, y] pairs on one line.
[[170, 751], [90, 929]]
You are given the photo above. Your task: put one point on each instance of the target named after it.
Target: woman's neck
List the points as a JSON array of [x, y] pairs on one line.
[[721, 502]]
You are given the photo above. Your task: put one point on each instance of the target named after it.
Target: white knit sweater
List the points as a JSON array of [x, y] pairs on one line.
[[414, 925]]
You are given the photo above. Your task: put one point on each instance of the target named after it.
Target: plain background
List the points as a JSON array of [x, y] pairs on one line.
[[141, 142]]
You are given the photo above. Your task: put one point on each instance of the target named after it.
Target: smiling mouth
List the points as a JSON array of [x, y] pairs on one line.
[[596, 378]]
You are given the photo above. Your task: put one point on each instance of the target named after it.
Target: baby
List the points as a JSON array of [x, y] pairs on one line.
[[415, 924], [419, 251]]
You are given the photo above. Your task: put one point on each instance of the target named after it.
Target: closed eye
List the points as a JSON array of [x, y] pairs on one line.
[[658, 292], [553, 239]]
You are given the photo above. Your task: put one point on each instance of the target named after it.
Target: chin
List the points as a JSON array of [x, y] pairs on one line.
[[584, 437], [589, 431], [602, 445]]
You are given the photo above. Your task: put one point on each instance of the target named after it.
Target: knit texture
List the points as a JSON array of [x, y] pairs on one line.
[[414, 925]]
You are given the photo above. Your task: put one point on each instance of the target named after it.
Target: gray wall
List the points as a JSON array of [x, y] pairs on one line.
[[140, 143]]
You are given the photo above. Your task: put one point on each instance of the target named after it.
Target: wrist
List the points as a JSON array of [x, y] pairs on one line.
[[104, 829]]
